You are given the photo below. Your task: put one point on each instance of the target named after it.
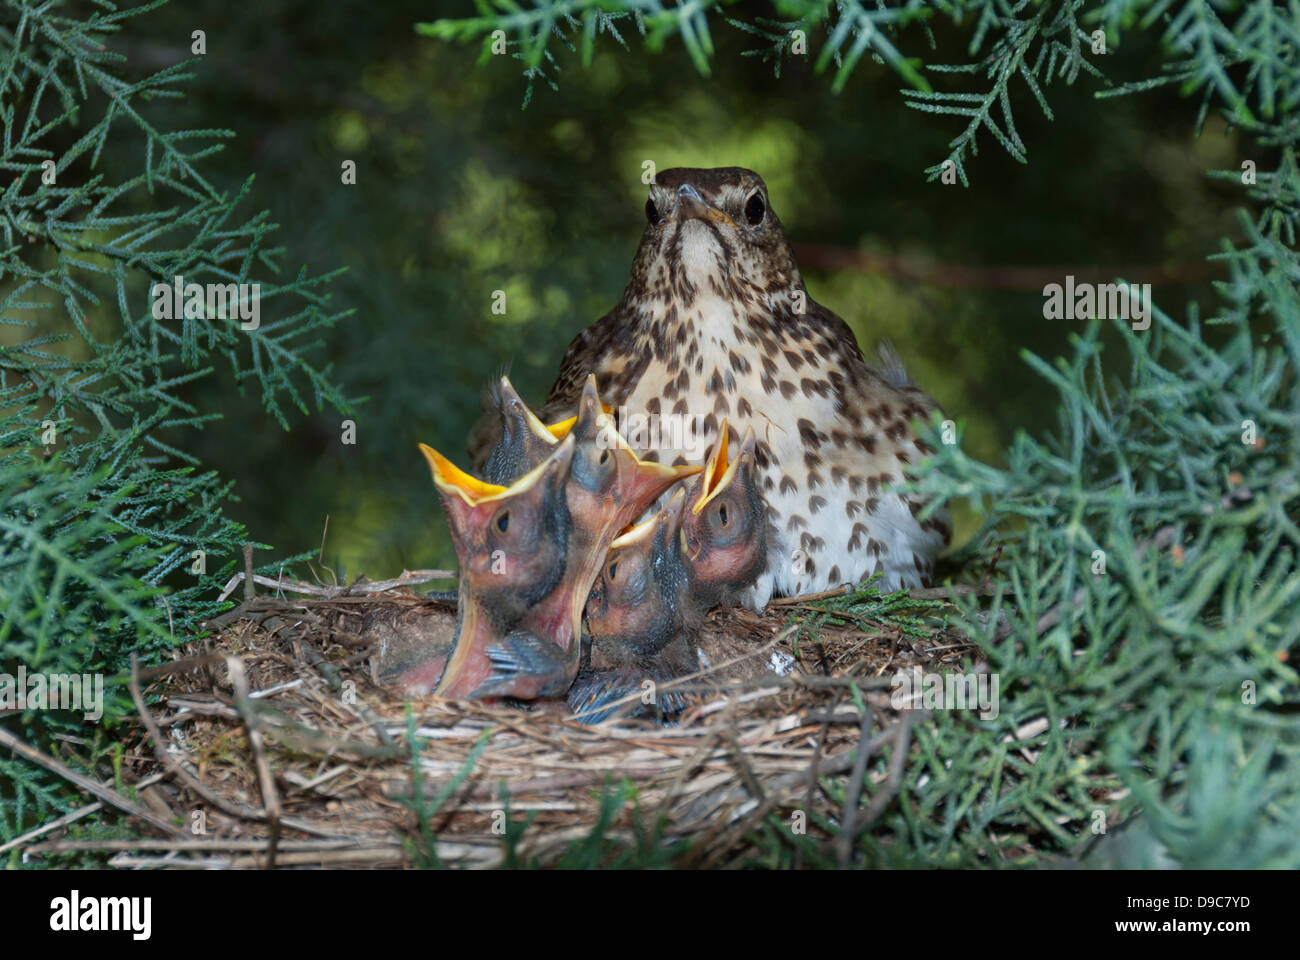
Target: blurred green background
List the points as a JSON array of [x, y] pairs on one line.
[[460, 192]]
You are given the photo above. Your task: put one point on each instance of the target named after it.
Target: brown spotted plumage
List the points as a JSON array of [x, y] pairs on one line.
[[716, 323]]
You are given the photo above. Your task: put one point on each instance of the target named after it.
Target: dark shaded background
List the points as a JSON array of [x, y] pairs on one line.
[[460, 192]]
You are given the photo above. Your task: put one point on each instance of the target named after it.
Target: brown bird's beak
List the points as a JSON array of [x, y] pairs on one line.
[[690, 205]]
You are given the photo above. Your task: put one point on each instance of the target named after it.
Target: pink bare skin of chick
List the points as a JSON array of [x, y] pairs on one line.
[[510, 542], [605, 489], [662, 577]]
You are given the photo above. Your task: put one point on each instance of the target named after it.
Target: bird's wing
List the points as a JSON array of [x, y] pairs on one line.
[[584, 353], [891, 378]]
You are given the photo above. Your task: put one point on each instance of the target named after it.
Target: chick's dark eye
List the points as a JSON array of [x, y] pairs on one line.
[[613, 569], [754, 210], [722, 514], [651, 211], [503, 521]]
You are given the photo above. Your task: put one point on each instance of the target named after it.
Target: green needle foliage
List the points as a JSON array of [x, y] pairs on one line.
[[1241, 53], [1153, 607], [853, 28], [112, 538], [1152, 604]]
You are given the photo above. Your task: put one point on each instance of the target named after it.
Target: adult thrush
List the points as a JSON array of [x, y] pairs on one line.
[[716, 322]]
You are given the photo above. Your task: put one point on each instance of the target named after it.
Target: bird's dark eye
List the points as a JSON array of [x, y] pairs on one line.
[[651, 211], [604, 458], [613, 569], [754, 210], [722, 514], [503, 521]]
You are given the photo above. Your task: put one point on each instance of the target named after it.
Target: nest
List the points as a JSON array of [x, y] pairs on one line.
[[274, 737]]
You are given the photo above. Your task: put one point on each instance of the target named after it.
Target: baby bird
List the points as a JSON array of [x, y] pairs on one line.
[[511, 544], [661, 578], [524, 441], [520, 440], [641, 619], [602, 488], [726, 532]]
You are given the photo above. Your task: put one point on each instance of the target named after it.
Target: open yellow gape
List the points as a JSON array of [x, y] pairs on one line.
[[452, 479], [718, 471]]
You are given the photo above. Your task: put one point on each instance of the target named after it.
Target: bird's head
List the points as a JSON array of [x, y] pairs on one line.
[[524, 442], [725, 529], [611, 485], [636, 606], [511, 543], [713, 228], [505, 537]]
